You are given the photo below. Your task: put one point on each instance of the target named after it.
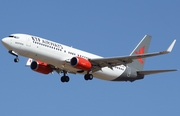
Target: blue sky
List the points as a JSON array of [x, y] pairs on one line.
[[104, 27]]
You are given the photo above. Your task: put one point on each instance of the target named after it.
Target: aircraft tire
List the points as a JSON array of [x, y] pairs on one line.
[[16, 60], [65, 79], [88, 77]]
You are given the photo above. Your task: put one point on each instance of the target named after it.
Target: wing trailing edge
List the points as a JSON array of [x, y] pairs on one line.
[[148, 72]]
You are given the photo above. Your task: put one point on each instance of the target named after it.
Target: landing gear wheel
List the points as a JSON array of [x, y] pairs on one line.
[[65, 79], [16, 60], [88, 77], [62, 79]]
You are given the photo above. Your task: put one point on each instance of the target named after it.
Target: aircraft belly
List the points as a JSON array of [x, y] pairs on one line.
[[109, 74]]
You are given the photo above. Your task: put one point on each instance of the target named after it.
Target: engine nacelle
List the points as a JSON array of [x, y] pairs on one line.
[[41, 67], [81, 63]]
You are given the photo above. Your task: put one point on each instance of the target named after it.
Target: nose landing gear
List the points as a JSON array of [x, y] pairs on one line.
[[14, 54]]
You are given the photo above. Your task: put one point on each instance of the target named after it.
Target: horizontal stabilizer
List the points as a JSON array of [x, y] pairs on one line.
[[148, 72]]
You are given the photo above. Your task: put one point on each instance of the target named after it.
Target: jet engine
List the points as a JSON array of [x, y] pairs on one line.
[[81, 63], [41, 67]]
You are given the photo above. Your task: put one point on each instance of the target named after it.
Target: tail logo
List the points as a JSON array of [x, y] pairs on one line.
[[141, 51]]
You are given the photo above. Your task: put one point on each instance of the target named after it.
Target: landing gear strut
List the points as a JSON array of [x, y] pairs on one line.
[[14, 54], [65, 78]]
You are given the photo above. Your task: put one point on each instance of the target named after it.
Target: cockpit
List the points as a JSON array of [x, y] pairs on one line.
[[12, 36]]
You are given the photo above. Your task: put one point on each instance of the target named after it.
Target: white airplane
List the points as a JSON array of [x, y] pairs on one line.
[[46, 56]]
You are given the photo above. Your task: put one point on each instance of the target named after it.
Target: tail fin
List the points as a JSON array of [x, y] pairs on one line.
[[141, 48]]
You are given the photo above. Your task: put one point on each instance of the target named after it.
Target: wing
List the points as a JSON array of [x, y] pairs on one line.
[[99, 63]]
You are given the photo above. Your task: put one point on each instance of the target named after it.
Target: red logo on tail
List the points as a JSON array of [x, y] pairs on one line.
[[141, 51]]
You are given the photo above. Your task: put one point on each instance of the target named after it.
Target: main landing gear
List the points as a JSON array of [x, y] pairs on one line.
[[14, 54], [88, 77], [65, 78]]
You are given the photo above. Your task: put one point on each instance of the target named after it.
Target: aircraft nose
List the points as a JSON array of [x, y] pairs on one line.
[[5, 42]]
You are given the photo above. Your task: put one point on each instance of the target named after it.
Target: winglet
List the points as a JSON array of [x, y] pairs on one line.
[[171, 46]]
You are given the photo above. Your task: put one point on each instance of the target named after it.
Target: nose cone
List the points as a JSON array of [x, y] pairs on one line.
[[5, 42]]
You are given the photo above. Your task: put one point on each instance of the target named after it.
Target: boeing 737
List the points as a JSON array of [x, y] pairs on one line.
[[45, 56]]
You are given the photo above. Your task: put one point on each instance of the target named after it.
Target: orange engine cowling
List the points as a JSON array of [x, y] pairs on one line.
[[81, 63], [41, 67]]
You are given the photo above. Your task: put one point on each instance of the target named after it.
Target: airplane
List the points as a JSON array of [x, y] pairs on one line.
[[45, 56]]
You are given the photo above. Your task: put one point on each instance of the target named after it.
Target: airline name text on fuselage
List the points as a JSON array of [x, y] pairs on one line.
[[43, 41]]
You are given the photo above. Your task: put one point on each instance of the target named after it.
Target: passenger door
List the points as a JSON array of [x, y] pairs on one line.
[[28, 42]]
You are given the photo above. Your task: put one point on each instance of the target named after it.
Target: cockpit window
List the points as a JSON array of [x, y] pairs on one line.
[[13, 36], [10, 36]]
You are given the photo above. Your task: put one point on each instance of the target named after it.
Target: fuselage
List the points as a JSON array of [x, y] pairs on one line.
[[56, 54]]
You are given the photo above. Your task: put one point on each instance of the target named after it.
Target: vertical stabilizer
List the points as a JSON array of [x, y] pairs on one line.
[[141, 48]]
